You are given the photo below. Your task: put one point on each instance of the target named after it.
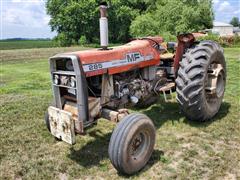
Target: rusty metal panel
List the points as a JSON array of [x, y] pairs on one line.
[[184, 41], [114, 116], [94, 107], [93, 104], [94, 112], [107, 88], [62, 125]]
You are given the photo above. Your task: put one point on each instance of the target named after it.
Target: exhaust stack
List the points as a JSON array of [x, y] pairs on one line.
[[103, 21]]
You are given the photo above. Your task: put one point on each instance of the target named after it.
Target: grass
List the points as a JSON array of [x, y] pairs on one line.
[[24, 55], [183, 150], [35, 44], [25, 44]]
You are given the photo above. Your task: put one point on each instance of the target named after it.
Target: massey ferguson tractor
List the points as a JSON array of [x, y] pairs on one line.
[[103, 83]]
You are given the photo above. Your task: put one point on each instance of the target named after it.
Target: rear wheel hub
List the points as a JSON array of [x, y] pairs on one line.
[[215, 81]]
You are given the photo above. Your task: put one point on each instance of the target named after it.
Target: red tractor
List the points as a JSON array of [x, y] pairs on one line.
[[102, 83]]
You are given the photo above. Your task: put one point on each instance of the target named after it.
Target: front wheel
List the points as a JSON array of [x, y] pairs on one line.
[[132, 143], [201, 81]]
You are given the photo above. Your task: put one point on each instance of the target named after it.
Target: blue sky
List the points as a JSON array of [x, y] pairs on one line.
[[28, 18]]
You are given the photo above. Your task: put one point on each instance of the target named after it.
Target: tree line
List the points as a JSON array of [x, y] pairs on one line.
[[76, 21]]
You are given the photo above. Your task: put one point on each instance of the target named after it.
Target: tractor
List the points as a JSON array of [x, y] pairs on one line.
[[105, 82]]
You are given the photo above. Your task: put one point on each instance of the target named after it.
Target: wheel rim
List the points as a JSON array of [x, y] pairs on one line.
[[215, 82], [139, 145]]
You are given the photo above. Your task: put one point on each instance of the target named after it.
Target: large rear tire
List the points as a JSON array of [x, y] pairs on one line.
[[132, 143], [201, 81]]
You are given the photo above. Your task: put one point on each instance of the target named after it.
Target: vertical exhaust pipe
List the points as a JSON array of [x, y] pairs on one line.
[[103, 21]]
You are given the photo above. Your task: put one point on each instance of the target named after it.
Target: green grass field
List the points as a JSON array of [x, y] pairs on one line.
[[36, 44], [25, 44], [184, 149], [24, 55]]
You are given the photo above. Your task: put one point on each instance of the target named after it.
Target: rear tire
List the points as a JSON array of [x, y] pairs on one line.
[[201, 81], [132, 143]]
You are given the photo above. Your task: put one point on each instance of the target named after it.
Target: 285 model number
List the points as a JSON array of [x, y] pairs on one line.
[[93, 67]]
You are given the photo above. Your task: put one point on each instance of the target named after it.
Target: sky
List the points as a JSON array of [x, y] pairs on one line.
[[28, 18]]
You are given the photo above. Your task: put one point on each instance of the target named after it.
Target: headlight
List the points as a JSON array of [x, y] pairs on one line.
[[56, 79], [69, 65], [73, 82]]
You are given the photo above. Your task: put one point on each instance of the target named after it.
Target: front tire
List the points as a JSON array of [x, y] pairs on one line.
[[132, 143], [201, 81]]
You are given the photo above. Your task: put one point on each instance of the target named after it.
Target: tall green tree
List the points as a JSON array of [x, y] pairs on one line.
[[174, 16], [73, 19], [235, 22], [78, 19]]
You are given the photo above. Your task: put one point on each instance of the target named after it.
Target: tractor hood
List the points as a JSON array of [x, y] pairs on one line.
[[136, 54]]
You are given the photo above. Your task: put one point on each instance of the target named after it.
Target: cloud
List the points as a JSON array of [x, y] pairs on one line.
[[237, 12], [46, 20], [224, 10], [26, 13], [27, 1], [215, 2], [225, 6], [11, 18], [25, 18]]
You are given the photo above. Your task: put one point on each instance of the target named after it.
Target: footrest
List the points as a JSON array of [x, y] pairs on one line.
[[164, 89]]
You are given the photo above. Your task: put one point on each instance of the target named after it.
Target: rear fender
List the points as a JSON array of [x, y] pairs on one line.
[[184, 41]]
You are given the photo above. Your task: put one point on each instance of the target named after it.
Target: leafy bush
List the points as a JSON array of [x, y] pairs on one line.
[[174, 16], [236, 41], [231, 41], [168, 37], [62, 40], [83, 40]]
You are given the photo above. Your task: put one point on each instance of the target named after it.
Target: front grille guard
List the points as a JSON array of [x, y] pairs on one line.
[[81, 86]]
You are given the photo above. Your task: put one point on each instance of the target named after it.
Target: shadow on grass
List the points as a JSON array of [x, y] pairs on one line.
[[156, 157], [223, 111], [163, 112], [95, 151]]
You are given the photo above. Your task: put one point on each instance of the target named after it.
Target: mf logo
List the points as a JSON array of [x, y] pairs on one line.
[[133, 57]]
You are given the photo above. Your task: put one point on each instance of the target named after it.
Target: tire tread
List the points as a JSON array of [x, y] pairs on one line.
[[190, 79]]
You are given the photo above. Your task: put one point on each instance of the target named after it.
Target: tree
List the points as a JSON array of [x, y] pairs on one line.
[[235, 22], [76, 18], [73, 19], [174, 16]]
